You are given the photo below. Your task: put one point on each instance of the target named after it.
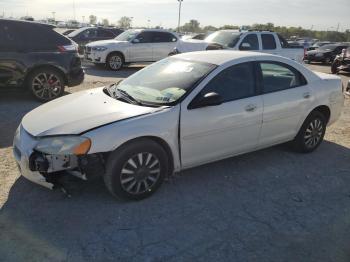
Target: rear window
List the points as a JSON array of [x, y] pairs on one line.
[[33, 37], [268, 41]]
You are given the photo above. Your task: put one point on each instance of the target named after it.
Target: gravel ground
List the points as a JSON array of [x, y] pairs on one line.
[[270, 205]]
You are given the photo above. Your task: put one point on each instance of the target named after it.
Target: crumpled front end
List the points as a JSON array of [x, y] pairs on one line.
[[49, 170]]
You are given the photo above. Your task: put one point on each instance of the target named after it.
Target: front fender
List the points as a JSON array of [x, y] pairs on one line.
[[163, 125]]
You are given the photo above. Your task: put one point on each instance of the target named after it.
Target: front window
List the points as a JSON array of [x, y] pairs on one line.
[[225, 38], [127, 35], [164, 82]]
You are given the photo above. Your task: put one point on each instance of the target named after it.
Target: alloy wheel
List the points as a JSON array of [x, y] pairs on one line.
[[140, 173], [313, 133], [115, 62], [46, 86]]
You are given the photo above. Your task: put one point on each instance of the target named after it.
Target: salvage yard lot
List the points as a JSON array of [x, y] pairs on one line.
[[270, 205]]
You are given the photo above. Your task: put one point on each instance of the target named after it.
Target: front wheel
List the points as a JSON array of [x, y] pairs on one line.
[[115, 61], [136, 170], [311, 133]]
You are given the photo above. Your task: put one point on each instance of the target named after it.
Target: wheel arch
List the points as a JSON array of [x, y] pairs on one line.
[[324, 110], [159, 141], [60, 70], [116, 52]]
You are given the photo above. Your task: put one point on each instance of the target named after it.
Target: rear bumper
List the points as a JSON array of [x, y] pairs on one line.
[[75, 77]]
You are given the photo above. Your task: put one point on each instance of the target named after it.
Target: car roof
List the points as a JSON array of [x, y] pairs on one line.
[[219, 57], [27, 22], [152, 30]]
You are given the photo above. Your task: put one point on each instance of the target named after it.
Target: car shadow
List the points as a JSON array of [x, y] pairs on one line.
[[14, 104], [102, 71], [261, 196]]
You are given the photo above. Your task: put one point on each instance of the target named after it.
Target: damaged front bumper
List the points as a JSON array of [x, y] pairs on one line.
[[47, 170]]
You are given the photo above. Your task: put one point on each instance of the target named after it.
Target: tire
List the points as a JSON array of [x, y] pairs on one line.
[[115, 61], [136, 170], [45, 84], [306, 141], [328, 60], [334, 67]]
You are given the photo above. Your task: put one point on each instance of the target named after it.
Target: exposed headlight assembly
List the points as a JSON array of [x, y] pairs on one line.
[[99, 48], [64, 145]]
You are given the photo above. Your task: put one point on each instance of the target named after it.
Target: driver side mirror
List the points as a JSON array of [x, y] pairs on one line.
[[245, 46], [209, 99], [135, 41]]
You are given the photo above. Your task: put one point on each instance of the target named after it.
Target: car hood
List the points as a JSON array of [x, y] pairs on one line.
[[80, 112], [191, 45]]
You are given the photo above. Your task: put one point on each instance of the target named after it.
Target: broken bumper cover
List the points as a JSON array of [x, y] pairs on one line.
[[45, 169]]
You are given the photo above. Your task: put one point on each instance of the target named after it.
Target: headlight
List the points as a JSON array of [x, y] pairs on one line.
[[99, 48], [64, 145]]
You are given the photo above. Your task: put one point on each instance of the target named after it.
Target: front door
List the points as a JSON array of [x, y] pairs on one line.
[[141, 49], [215, 132]]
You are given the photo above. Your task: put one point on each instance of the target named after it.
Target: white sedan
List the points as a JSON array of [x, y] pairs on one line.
[[181, 112]]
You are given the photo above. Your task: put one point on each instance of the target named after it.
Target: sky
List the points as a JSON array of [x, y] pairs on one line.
[[316, 14]]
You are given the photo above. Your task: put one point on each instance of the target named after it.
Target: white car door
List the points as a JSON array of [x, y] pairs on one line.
[[215, 132], [163, 43], [141, 49], [286, 97]]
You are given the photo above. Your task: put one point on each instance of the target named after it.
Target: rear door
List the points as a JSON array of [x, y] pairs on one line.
[[268, 43], [163, 43], [286, 97], [141, 50], [12, 55]]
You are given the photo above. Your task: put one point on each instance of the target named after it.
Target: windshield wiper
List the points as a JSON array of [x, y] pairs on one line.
[[126, 96]]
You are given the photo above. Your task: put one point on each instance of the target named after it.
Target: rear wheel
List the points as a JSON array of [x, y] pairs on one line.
[[334, 67], [311, 133], [115, 61], [46, 84], [136, 170]]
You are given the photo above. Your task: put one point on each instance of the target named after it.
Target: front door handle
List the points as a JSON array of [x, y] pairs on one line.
[[306, 95], [250, 108]]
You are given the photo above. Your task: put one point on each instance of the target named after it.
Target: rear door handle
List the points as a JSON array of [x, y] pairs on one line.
[[250, 108], [306, 95]]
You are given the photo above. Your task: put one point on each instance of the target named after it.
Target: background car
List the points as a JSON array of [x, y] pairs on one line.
[[35, 56], [259, 41], [132, 46], [86, 35], [324, 54], [181, 112], [319, 44], [341, 62]]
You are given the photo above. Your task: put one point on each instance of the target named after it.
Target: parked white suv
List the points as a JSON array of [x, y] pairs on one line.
[[132, 46], [260, 41]]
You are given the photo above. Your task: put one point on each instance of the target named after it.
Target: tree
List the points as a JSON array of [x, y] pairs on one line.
[[125, 22], [191, 26], [229, 27], [93, 19], [105, 22], [209, 28]]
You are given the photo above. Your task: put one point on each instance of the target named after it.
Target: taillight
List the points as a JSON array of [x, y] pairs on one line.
[[67, 48]]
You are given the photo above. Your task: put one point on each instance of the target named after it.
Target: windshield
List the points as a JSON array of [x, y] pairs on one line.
[[127, 35], [78, 31], [164, 82], [224, 38], [328, 47]]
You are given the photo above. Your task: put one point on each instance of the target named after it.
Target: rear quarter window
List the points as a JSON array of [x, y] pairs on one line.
[[41, 37], [268, 41]]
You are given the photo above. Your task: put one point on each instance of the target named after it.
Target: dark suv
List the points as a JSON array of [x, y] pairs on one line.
[[86, 35], [35, 56]]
